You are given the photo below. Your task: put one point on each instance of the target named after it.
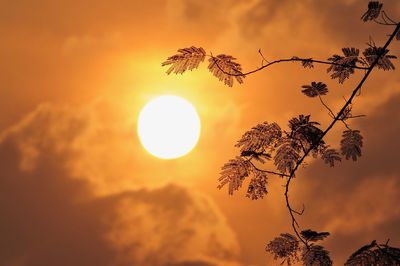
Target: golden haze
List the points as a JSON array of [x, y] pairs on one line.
[[77, 188]]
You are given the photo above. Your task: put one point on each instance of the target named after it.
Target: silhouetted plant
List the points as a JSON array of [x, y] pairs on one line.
[[287, 149]]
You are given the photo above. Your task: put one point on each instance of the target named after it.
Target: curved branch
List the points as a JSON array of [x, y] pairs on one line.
[[391, 20], [267, 171], [335, 120], [281, 61], [384, 23]]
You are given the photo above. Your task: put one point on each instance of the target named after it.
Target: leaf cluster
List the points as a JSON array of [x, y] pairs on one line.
[[375, 254], [221, 66], [289, 249], [267, 141], [234, 173]]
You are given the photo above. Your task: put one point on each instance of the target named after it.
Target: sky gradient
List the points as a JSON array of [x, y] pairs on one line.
[[77, 187]]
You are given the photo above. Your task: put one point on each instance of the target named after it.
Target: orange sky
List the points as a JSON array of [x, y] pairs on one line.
[[76, 186]]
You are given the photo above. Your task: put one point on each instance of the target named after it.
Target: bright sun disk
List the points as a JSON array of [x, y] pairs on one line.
[[168, 127]]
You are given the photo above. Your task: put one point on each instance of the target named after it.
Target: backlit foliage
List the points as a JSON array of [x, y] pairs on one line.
[[225, 69], [258, 185], [374, 254], [270, 149], [315, 89], [260, 141], [233, 173], [316, 255], [285, 247], [287, 154], [371, 53], [373, 12], [330, 156], [313, 236], [343, 65], [351, 144], [186, 59]]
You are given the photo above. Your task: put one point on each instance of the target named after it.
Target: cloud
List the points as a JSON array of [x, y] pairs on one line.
[[194, 18], [51, 216]]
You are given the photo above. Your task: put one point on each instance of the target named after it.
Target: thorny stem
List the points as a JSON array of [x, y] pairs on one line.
[[336, 119]]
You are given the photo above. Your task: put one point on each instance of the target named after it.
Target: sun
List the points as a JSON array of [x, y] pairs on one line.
[[168, 127]]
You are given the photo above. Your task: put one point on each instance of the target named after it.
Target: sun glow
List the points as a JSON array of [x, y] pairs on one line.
[[168, 127]]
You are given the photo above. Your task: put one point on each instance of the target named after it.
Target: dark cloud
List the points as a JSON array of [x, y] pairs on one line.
[[51, 217]]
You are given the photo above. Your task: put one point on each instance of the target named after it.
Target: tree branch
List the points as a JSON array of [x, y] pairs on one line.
[[267, 171], [284, 60], [335, 120]]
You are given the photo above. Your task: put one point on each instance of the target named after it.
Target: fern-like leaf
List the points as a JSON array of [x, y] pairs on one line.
[[313, 236], [257, 188], [374, 9], [344, 65], [315, 89], [285, 247], [225, 69], [374, 254], [305, 130], [186, 59], [260, 138], [316, 255], [233, 173], [307, 63], [287, 155], [372, 52], [330, 156], [351, 144]]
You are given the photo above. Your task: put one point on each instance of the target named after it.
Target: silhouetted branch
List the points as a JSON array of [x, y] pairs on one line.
[[336, 119], [356, 116], [326, 106], [387, 17], [289, 149], [263, 58], [293, 59], [384, 23], [268, 171]]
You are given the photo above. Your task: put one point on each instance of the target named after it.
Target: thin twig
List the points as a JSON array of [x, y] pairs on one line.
[[355, 116], [384, 23], [267, 171], [263, 58], [391, 20], [345, 124], [326, 106]]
